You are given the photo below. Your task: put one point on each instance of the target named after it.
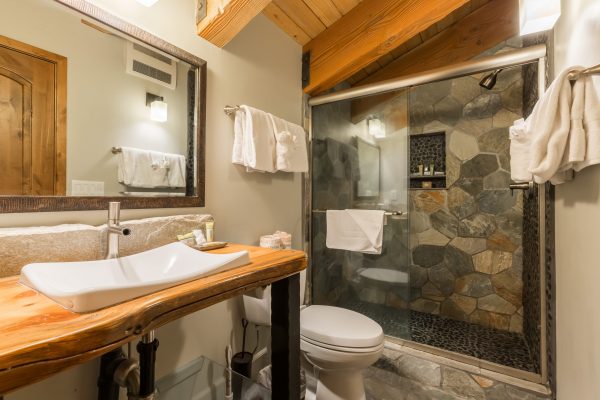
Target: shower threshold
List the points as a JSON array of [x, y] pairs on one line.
[[505, 352]]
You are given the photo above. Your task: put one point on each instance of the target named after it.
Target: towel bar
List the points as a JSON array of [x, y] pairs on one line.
[[387, 213]]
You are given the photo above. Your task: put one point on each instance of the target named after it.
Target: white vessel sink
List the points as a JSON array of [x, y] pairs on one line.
[[90, 285]]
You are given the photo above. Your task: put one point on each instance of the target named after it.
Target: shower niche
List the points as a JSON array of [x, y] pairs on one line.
[[428, 160]]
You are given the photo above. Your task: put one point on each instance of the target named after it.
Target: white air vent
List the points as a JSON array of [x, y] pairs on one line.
[[151, 65]]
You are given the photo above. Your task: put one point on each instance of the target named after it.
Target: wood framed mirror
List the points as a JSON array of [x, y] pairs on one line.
[[94, 109]]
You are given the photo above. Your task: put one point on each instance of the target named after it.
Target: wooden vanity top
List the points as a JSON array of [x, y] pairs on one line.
[[39, 338]]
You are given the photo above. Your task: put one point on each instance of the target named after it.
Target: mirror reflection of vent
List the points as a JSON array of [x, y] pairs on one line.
[[150, 65]]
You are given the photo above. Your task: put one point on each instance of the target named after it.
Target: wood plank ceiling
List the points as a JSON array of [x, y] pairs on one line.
[[361, 41]]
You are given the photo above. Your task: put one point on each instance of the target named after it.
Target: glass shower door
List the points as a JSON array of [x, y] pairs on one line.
[[361, 162]]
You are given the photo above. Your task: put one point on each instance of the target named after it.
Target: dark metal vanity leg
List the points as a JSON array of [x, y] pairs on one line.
[[285, 338]]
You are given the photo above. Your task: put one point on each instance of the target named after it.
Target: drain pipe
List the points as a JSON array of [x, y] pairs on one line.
[[116, 371], [147, 351]]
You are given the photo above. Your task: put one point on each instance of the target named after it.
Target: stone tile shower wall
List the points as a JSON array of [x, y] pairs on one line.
[[466, 239]]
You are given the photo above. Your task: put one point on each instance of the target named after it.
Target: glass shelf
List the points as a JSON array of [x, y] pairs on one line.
[[204, 379]]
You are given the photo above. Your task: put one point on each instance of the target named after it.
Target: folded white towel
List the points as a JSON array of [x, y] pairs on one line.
[[355, 230], [520, 143], [150, 169], [291, 152], [258, 140]]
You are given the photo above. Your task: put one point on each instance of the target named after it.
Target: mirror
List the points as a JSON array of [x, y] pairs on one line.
[[368, 163], [93, 108]]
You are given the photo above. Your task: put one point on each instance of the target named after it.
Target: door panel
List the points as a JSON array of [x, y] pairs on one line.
[[28, 123]]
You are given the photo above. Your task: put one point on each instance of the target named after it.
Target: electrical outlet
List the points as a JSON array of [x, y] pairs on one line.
[[87, 188]]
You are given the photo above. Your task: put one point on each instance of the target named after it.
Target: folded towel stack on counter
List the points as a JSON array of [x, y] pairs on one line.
[[266, 143], [562, 134], [150, 169]]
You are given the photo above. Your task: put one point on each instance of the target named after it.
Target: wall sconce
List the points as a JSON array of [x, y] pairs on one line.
[[158, 107], [376, 128], [147, 3], [538, 15]]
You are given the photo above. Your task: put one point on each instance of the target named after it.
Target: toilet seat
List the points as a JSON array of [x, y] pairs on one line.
[[339, 329], [342, 349]]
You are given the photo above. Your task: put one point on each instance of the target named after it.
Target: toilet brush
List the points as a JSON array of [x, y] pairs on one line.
[[242, 362]]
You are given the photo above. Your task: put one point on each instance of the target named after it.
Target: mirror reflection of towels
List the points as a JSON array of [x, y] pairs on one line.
[[150, 169]]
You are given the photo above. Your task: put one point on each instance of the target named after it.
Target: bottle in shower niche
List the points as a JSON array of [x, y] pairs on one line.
[[421, 168], [431, 168]]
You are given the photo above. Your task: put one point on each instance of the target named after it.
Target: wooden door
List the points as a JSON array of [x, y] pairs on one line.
[[32, 120]]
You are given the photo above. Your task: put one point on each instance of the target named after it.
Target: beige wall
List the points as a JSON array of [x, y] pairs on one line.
[[578, 230], [262, 68]]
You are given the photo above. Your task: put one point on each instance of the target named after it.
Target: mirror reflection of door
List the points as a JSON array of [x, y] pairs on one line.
[[32, 120]]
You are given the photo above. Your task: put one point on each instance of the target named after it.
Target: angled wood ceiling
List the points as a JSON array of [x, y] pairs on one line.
[[361, 41]]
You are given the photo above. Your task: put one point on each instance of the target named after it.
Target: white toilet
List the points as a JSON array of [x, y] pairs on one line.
[[339, 343]]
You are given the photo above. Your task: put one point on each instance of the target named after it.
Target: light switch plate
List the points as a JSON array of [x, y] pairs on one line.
[[87, 188]]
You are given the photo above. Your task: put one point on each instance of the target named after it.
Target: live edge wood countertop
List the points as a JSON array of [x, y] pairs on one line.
[[39, 338]]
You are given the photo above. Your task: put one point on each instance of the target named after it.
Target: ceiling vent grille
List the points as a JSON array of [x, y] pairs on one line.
[[150, 65]]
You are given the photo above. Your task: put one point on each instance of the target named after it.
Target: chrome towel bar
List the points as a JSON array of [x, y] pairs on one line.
[[387, 213]]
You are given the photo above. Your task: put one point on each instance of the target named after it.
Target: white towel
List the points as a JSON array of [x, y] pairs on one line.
[[176, 170], [290, 150], [520, 143], [258, 140], [150, 169], [355, 230], [549, 125], [237, 156], [589, 126]]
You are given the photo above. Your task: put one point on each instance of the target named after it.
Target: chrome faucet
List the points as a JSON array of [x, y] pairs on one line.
[[114, 230]]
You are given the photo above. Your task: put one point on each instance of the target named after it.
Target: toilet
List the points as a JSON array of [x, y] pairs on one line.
[[337, 342]]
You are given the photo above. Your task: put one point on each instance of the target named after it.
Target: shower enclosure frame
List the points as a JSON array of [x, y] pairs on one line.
[[526, 55]]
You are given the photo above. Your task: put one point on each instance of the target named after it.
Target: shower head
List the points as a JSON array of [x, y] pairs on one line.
[[489, 81]]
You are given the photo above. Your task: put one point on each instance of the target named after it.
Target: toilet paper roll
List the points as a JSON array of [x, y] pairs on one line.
[[258, 311]]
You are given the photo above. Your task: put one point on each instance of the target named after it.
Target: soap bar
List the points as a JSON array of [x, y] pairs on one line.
[[210, 246]]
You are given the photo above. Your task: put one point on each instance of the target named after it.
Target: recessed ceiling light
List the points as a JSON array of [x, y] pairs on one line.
[[147, 3]]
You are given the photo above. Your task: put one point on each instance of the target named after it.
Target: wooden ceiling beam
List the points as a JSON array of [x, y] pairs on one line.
[[368, 31], [482, 29], [226, 18]]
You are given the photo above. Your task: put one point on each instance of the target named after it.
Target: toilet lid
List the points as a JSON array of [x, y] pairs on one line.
[[339, 327]]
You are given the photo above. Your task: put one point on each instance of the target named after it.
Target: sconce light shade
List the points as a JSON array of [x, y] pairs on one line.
[[147, 3], [376, 128], [538, 15], [158, 111]]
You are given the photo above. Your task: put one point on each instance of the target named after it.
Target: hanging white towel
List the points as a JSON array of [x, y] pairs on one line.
[[355, 230], [237, 156], [258, 140], [176, 171], [520, 143], [549, 126], [291, 153], [589, 126]]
